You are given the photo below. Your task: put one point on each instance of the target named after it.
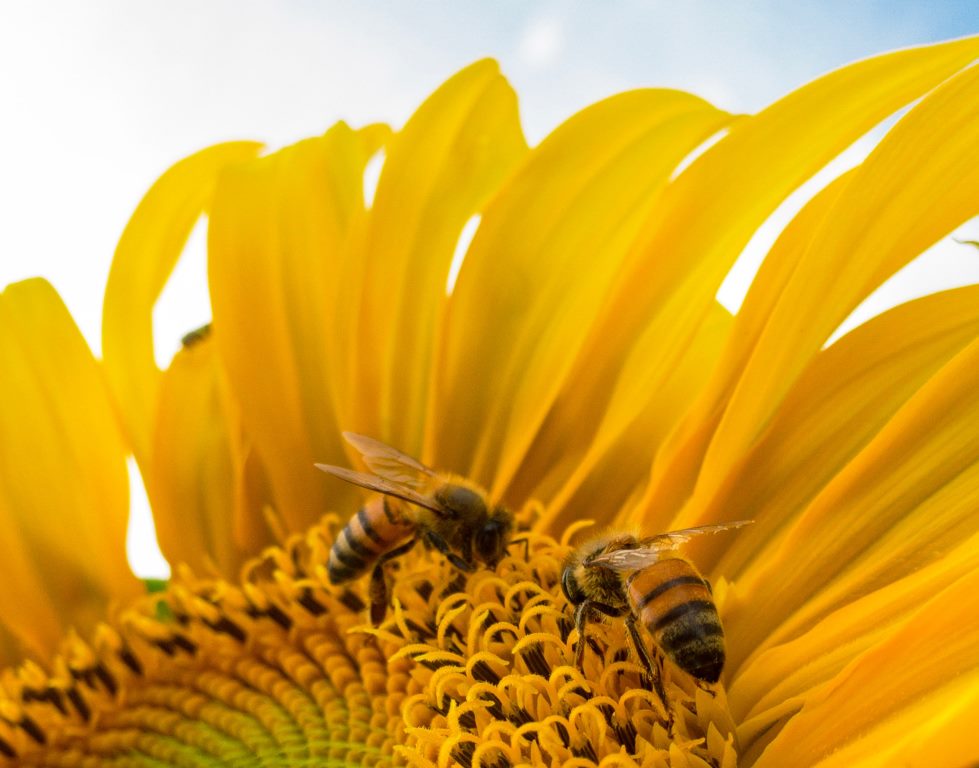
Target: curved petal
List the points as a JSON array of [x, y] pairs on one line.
[[871, 372], [146, 255], [793, 670], [920, 183], [63, 470], [192, 476], [546, 249], [276, 241], [678, 461], [902, 502], [438, 172], [613, 472], [902, 693], [694, 234]]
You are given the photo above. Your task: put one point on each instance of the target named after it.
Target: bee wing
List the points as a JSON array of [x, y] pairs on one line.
[[387, 462], [673, 539], [651, 549], [622, 560], [385, 486]]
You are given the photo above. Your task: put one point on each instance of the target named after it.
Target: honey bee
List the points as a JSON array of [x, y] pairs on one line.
[[448, 512], [647, 581]]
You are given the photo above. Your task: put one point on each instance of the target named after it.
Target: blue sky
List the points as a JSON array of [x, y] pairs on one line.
[[100, 97]]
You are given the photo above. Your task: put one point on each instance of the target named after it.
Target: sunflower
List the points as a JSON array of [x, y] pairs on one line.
[[578, 367]]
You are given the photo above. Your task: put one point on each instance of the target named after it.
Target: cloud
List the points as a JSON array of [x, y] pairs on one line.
[[542, 41]]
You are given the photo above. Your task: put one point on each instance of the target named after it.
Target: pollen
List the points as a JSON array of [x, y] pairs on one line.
[[284, 669]]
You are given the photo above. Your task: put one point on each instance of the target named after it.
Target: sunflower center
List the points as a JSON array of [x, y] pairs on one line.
[[285, 670], [493, 680]]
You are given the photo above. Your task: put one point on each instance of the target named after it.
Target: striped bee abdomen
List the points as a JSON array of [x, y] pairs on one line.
[[674, 603], [373, 531]]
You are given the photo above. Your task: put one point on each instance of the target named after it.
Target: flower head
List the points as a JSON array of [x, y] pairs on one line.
[[282, 670], [577, 367]]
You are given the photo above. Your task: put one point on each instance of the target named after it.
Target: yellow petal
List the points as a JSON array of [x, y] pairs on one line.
[[276, 238], [929, 736], [920, 183], [546, 249], [613, 472], [191, 478], [64, 498], [900, 694], [146, 255], [871, 372], [905, 500], [30, 624], [439, 170], [794, 669], [694, 234], [678, 460]]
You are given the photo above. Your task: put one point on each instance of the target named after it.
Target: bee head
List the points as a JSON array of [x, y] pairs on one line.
[[491, 538]]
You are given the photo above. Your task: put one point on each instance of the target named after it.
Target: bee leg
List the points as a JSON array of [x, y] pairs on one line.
[[377, 590], [653, 671], [706, 688], [442, 546], [525, 540], [581, 615], [580, 620]]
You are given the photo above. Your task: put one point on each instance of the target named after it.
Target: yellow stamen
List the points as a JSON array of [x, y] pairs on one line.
[[282, 670]]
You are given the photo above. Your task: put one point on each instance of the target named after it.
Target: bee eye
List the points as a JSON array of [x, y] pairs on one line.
[[569, 586], [489, 541]]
